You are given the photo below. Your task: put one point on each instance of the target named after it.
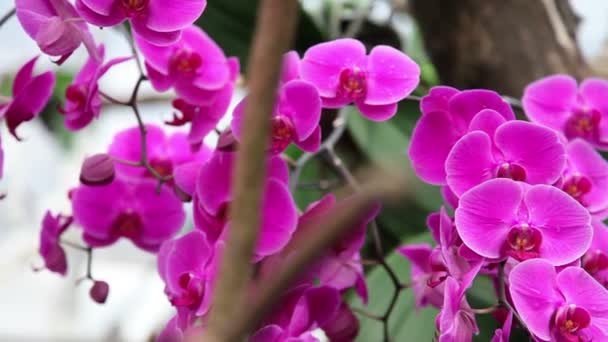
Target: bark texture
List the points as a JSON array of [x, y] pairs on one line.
[[499, 44]]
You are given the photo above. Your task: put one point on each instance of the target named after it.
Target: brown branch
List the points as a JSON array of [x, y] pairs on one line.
[[324, 232], [275, 31]]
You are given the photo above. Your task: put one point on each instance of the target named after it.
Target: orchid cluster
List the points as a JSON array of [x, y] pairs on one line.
[[142, 187], [528, 201], [525, 200]]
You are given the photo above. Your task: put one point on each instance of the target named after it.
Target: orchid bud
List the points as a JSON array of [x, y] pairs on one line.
[[97, 170], [99, 291]]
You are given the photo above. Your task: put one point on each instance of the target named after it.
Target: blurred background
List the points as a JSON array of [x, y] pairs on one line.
[[495, 44]]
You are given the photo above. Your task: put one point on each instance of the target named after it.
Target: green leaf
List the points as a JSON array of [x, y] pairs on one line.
[[405, 322], [386, 143], [231, 24]]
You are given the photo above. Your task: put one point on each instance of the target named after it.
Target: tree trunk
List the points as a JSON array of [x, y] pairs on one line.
[[499, 44]]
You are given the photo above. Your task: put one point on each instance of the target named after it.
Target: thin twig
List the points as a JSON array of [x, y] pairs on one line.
[[275, 31], [366, 314], [112, 99], [7, 16], [337, 133]]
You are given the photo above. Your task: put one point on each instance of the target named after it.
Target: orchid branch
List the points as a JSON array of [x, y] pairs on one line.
[[7, 16], [274, 34]]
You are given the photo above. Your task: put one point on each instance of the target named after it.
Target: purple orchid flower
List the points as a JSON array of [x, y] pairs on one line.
[[565, 306], [432, 266], [55, 26], [157, 21], [165, 153], [133, 210], [340, 267], [295, 118], [202, 119], [83, 101], [188, 265], [194, 65], [210, 185], [30, 95], [304, 309], [343, 73], [518, 150], [577, 112], [447, 115], [586, 176], [501, 218], [50, 248], [456, 321], [428, 274], [595, 260]]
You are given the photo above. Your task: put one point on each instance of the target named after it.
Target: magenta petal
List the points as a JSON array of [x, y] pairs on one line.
[[155, 37], [437, 99], [291, 67], [31, 14], [156, 56], [581, 289], [279, 219], [277, 168], [185, 176], [560, 218], [378, 113], [468, 103], [214, 182], [160, 81], [485, 214], [95, 208], [470, 162], [175, 15], [431, 143], [103, 7], [593, 91], [419, 255], [548, 100], [238, 115], [535, 301], [392, 76], [589, 163], [312, 143], [322, 63], [487, 120], [100, 13], [187, 254], [24, 76], [323, 304], [269, 333], [503, 334], [57, 38], [161, 212], [304, 104], [537, 149]]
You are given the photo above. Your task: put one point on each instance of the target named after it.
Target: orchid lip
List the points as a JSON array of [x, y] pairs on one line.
[[512, 171], [570, 319], [583, 123], [523, 242], [353, 83], [282, 133]]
